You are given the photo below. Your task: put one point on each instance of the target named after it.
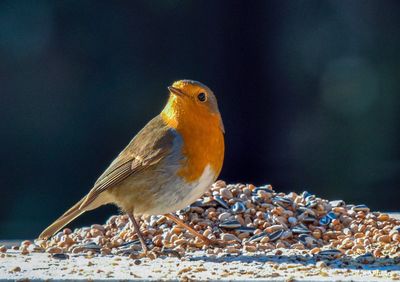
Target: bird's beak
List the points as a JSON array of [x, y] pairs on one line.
[[175, 91]]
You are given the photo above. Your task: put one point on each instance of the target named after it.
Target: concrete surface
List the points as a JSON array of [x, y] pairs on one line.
[[263, 267]]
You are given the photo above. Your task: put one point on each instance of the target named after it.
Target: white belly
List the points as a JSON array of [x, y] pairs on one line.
[[179, 194]]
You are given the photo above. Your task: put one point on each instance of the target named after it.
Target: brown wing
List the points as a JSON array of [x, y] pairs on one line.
[[149, 147]]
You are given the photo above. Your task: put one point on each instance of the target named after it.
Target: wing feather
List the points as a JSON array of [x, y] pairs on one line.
[[151, 145]]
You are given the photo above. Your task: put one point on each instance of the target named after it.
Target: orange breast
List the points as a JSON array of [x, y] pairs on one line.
[[202, 137]]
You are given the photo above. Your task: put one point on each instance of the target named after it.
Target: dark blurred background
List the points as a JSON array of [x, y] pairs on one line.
[[309, 93]]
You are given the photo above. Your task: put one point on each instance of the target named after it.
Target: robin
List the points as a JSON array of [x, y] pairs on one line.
[[167, 166]]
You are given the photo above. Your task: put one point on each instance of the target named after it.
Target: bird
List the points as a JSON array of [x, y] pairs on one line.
[[168, 165]]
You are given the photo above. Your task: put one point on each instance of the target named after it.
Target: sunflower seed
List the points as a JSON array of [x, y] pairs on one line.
[[276, 235], [286, 235], [266, 188], [222, 202], [258, 237], [281, 201], [312, 203], [205, 203], [230, 224], [332, 253], [363, 208], [305, 210], [300, 229], [245, 229], [60, 256], [367, 258], [126, 245], [337, 203], [91, 246], [309, 219], [256, 199], [294, 221], [185, 210]]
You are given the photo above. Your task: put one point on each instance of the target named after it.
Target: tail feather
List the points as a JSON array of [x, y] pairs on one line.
[[76, 210], [63, 220]]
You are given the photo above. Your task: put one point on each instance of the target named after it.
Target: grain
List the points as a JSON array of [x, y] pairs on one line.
[[246, 218]]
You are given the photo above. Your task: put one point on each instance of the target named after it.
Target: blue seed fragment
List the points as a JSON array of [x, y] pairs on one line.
[[306, 195], [238, 207], [325, 220], [331, 215]]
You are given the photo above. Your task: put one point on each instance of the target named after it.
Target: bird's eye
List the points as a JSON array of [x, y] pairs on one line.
[[202, 97]]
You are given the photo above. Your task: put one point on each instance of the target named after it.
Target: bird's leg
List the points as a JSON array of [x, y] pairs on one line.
[[136, 228], [187, 227]]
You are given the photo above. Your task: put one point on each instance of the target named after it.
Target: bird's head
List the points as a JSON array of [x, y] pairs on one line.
[[192, 102]]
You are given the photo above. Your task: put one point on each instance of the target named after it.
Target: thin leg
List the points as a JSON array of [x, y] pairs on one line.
[[190, 229], [136, 228]]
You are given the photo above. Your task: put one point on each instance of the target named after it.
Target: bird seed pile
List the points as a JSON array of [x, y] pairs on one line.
[[248, 219]]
